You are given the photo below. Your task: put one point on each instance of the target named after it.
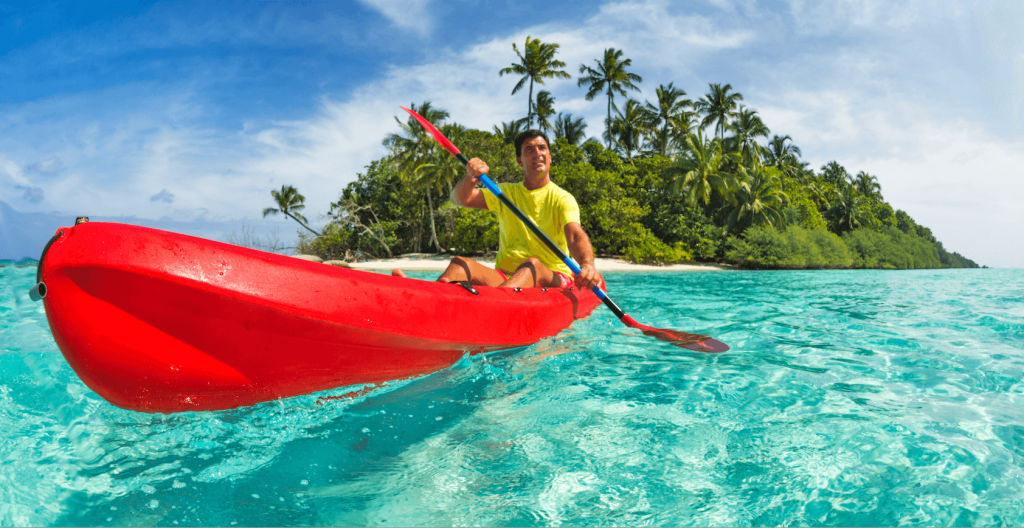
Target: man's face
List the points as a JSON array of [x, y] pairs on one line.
[[535, 158]]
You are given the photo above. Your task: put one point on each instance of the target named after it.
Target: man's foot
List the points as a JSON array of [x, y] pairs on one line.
[[397, 273]]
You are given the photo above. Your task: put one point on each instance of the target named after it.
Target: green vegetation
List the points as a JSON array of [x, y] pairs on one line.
[[676, 180]]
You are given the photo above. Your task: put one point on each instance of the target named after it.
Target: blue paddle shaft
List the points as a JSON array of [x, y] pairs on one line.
[[491, 186]]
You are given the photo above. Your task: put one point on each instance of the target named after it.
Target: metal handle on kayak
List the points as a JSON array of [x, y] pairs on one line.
[[38, 292]]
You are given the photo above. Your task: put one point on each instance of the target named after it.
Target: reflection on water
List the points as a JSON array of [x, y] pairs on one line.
[[848, 398]]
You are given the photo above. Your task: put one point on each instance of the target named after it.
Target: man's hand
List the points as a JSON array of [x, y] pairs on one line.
[[588, 277], [579, 247], [474, 169], [465, 192]]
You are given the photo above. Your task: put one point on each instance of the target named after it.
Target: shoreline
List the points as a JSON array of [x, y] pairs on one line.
[[428, 262]]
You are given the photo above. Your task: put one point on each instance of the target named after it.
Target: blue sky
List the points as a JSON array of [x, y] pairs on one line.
[[193, 111]]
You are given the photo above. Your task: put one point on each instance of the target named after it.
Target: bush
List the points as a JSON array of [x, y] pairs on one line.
[[645, 248], [891, 248], [796, 247], [804, 213], [675, 223], [760, 247], [475, 231], [333, 244]]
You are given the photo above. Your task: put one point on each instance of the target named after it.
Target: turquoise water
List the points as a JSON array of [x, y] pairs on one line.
[[849, 398]]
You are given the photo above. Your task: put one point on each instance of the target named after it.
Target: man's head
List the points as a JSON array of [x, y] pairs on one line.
[[529, 134], [532, 153]]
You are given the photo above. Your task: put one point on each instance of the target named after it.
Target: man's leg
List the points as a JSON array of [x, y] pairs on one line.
[[467, 269], [532, 274]]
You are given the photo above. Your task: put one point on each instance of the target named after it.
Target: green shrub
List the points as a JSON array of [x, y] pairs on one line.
[[796, 247], [804, 213], [676, 223], [475, 231], [759, 247], [339, 243], [891, 248], [645, 248]]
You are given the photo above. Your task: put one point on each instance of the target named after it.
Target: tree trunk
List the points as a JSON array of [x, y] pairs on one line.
[[301, 224], [419, 230], [433, 229], [529, 107], [608, 120]]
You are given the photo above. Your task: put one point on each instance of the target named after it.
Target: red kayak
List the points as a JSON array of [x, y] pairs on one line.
[[155, 321]]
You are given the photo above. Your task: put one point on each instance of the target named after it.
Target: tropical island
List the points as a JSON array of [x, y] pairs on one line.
[[672, 180]]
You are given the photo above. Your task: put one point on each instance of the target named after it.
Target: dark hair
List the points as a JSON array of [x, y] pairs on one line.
[[529, 134]]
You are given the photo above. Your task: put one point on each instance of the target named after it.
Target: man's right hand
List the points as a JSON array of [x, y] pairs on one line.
[[465, 192], [474, 169]]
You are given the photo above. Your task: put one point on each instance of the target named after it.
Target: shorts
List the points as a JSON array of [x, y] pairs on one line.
[[566, 281]]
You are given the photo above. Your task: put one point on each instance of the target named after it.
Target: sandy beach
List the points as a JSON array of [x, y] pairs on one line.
[[429, 262]]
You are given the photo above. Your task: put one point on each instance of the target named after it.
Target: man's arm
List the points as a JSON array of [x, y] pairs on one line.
[[583, 252], [465, 192]]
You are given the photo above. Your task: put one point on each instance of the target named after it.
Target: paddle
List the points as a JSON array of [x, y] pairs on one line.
[[697, 342]]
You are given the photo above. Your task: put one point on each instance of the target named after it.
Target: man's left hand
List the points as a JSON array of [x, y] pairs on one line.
[[588, 277]]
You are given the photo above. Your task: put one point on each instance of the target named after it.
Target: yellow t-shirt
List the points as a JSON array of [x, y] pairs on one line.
[[550, 207]]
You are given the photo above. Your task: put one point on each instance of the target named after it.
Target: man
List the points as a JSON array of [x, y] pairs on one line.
[[523, 259]]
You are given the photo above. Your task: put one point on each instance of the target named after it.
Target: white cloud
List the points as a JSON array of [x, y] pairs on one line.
[[163, 196], [824, 18], [49, 166], [15, 186], [1002, 30], [411, 14]]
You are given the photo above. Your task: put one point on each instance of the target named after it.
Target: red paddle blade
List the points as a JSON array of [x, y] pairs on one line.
[[433, 132], [695, 342]]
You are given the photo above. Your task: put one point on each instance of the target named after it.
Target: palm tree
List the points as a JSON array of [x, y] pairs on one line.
[[438, 168], [417, 154], [289, 203], [868, 186], [508, 131], [627, 129], [817, 194], [536, 63], [847, 211], [672, 103], [611, 77], [417, 142], [573, 130], [699, 173], [681, 127], [719, 106], [782, 156], [835, 174], [747, 126], [544, 109], [760, 200]]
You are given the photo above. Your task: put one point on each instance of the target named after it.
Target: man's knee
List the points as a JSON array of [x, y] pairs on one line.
[[532, 262], [465, 263], [542, 275]]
